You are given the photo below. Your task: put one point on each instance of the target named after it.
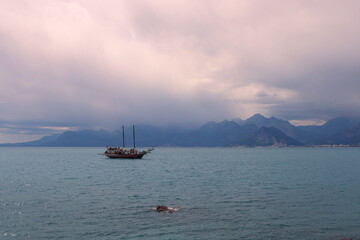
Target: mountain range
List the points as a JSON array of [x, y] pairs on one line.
[[254, 131]]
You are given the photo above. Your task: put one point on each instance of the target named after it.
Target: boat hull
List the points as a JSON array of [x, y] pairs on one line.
[[128, 156], [125, 153]]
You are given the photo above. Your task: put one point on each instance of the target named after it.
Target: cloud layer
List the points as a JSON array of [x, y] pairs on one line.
[[101, 64]]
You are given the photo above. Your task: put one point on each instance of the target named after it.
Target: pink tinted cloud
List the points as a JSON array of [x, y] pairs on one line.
[[176, 61]]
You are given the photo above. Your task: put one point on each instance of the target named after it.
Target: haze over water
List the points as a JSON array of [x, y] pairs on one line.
[[223, 193]]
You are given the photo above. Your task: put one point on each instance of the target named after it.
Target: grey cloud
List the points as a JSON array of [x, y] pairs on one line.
[[85, 64]]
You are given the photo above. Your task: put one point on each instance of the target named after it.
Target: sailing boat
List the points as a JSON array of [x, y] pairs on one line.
[[122, 152]]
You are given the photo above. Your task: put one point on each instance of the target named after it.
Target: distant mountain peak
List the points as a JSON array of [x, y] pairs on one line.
[[208, 124], [257, 116], [257, 119], [238, 121], [261, 121], [225, 121]]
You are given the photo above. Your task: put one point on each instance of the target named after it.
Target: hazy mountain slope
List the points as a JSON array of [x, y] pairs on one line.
[[226, 133], [319, 134], [255, 131], [271, 137], [41, 142], [261, 121], [348, 137], [84, 138]]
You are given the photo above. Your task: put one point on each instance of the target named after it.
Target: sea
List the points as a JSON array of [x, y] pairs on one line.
[[221, 193]]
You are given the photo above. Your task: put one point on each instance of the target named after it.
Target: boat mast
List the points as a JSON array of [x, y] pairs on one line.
[[134, 134], [123, 136]]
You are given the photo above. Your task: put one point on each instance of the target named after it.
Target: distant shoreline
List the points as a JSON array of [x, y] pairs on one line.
[[14, 145]]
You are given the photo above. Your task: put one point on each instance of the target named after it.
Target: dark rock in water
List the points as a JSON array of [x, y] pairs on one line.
[[164, 209], [161, 208]]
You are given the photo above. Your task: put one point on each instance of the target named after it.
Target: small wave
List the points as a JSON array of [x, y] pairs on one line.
[[10, 234]]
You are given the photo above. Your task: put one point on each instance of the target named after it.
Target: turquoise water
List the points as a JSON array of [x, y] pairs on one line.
[[223, 193]]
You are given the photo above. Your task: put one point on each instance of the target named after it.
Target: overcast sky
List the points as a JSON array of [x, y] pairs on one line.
[[75, 64]]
